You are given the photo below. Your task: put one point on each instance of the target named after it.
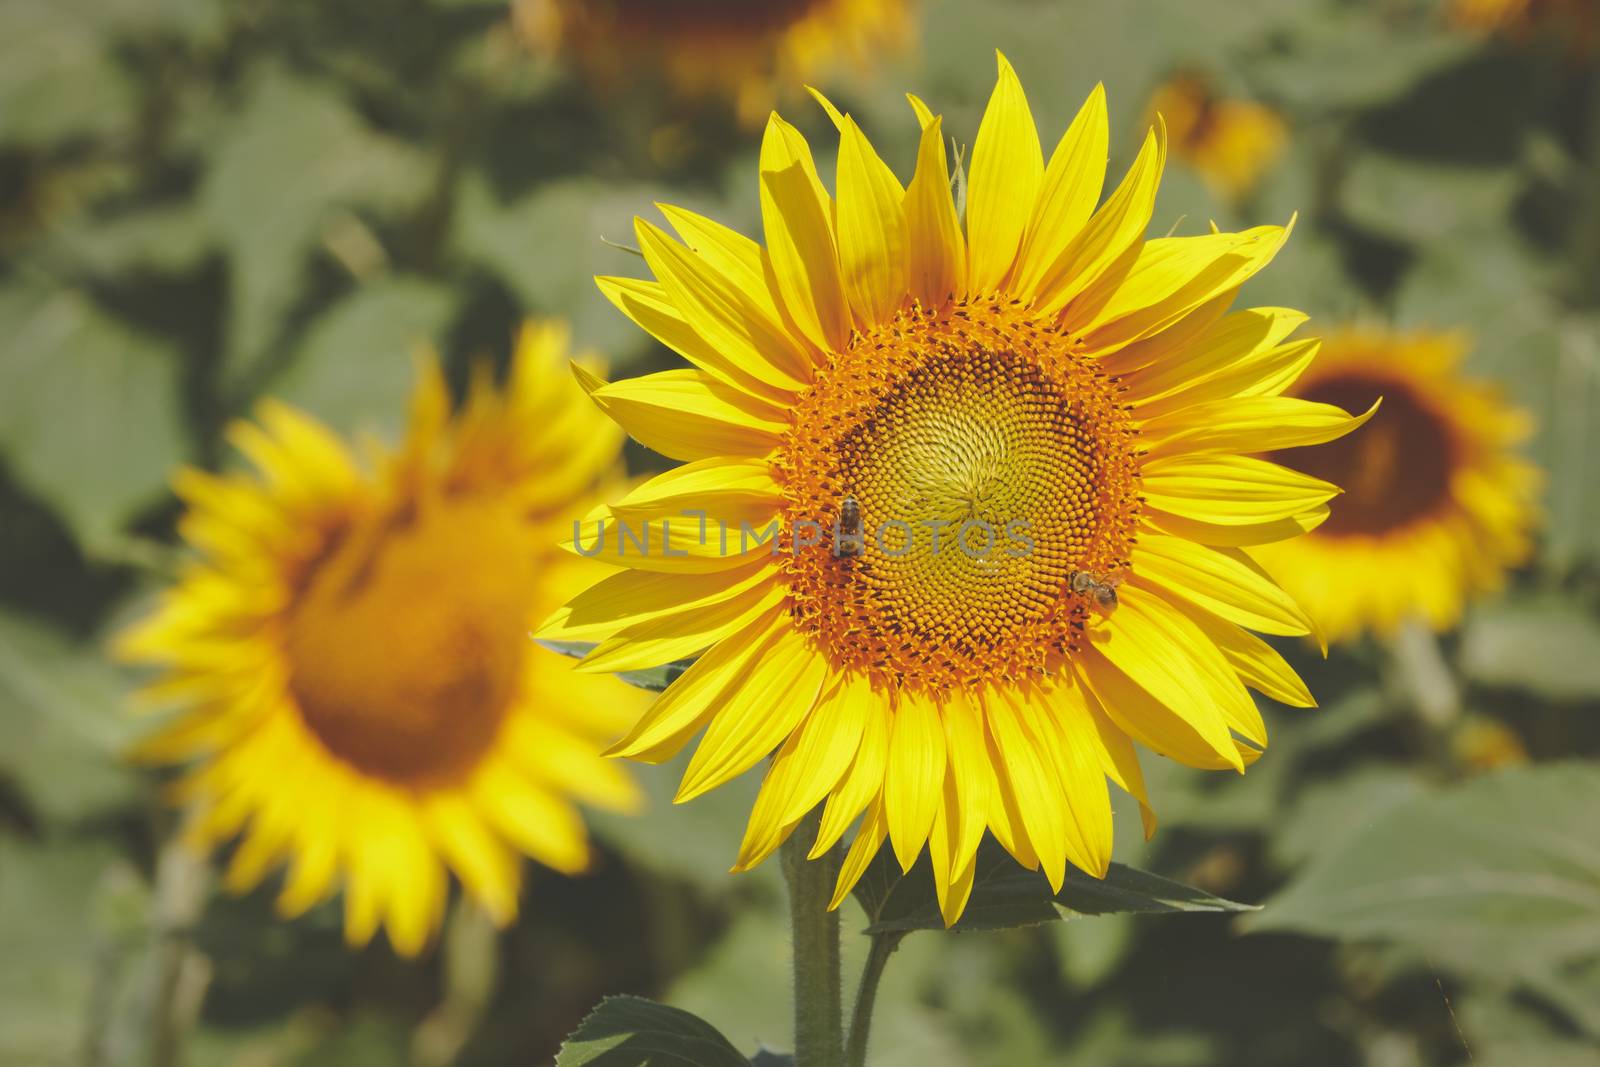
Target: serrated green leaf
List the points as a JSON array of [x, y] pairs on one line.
[[1499, 874], [1006, 895], [633, 1032], [89, 415], [1549, 647]]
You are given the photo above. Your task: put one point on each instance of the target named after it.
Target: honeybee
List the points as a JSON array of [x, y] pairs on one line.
[[1102, 589], [848, 540]]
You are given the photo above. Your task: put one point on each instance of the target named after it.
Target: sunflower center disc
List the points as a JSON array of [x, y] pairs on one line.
[[406, 646], [1394, 471], [988, 463]]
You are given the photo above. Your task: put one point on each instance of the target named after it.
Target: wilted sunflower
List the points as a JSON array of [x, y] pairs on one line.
[[1229, 143], [737, 49], [1042, 379], [1437, 505], [362, 699]]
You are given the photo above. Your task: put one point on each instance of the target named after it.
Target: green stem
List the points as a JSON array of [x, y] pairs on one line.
[[1426, 676], [817, 1006], [883, 946]]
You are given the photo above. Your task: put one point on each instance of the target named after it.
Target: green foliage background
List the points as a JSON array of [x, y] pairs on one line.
[[203, 202]]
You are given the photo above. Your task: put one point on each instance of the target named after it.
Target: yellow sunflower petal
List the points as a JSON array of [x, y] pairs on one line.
[[798, 215], [938, 251], [914, 781], [1068, 194], [873, 239], [1250, 424], [684, 414], [649, 306], [775, 696], [1007, 168]]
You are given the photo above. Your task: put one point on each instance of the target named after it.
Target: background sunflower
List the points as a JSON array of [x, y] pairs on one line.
[[206, 205], [1437, 503], [349, 653]]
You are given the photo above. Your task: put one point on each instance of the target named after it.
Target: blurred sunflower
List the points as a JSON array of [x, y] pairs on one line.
[[1436, 506], [1067, 407], [729, 48], [1579, 20], [361, 697], [1229, 143]]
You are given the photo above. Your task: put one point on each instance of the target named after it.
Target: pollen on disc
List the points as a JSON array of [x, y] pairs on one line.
[[989, 462]]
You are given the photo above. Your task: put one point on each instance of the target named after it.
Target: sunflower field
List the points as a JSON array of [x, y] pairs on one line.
[[700, 533]]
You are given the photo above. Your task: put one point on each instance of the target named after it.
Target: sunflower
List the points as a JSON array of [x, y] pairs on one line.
[[1229, 143], [1437, 505], [734, 49], [360, 697], [966, 505], [1577, 20]]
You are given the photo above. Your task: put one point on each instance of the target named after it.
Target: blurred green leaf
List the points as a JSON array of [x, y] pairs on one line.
[[1006, 895], [89, 418], [63, 716], [58, 77], [549, 245], [694, 842], [633, 1032], [167, 238], [1328, 811], [1500, 874], [281, 171], [1426, 202], [1547, 646], [68, 931], [357, 366]]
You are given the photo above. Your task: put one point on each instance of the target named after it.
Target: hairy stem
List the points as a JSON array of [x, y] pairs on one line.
[[817, 1006], [883, 946]]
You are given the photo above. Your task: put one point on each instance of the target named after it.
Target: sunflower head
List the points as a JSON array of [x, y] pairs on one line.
[[1230, 143], [358, 696], [1575, 21], [968, 504], [1437, 505], [732, 49]]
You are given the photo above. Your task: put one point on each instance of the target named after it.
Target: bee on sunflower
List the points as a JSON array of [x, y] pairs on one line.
[[358, 694], [1037, 370]]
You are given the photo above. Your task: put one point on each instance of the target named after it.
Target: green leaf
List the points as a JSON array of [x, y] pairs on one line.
[[357, 366], [284, 170], [633, 1032], [1500, 874], [578, 216], [89, 418], [58, 78], [73, 921], [63, 716], [1550, 647], [1005, 895], [1328, 811], [653, 678]]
